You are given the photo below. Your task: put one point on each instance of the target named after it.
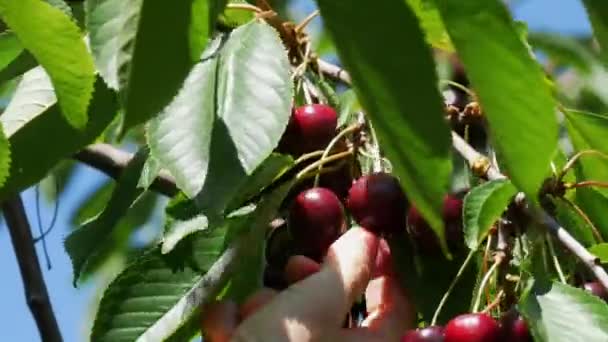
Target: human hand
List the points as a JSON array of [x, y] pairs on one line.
[[313, 308]]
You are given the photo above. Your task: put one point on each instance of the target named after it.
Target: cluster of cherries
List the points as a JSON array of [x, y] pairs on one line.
[[376, 201]]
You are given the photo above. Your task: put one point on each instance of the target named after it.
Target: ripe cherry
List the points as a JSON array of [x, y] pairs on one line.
[[433, 333], [596, 289], [378, 203], [514, 328], [472, 327], [279, 247], [311, 127], [316, 219], [423, 235]]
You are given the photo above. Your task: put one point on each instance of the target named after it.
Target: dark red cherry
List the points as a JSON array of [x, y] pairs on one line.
[[311, 127], [316, 220], [423, 235], [596, 289], [378, 203], [514, 328], [279, 247], [472, 327], [429, 334]]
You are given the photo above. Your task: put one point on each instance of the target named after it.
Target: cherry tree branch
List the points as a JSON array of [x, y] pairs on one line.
[[480, 163], [33, 282], [111, 161]]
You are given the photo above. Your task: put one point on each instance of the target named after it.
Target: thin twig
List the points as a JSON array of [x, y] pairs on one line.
[[111, 161], [33, 282]]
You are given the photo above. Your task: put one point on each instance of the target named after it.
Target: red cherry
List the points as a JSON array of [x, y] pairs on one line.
[[316, 219], [429, 334], [596, 289], [423, 235], [311, 127], [378, 203], [514, 328], [472, 327]]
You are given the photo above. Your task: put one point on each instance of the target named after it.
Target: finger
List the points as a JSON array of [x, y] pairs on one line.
[[318, 303], [300, 267], [218, 321], [255, 302], [390, 310]]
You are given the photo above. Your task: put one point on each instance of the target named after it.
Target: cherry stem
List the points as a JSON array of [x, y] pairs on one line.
[[329, 159], [584, 184], [484, 283], [306, 21], [331, 145], [486, 255], [308, 156], [556, 264], [581, 213], [459, 86], [575, 158], [244, 7], [495, 302], [447, 293], [329, 169]]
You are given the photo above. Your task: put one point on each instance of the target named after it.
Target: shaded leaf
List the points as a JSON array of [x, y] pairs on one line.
[[483, 206], [510, 85], [398, 91], [564, 50], [228, 117], [60, 140], [557, 312], [81, 245], [18, 66], [149, 73], [203, 24], [349, 104], [57, 43], [5, 157], [573, 222]]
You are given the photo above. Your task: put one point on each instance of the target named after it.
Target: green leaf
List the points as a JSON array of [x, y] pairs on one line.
[[177, 230], [57, 43], [149, 173], [156, 295], [10, 48], [510, 86], [228, 117], [93, 205], [431, 23], [483, 205], [149, 73], [597, 10], [399, 92], [349, 104], [601, 251], [560, 313], [49, 132], [588, 131], [203, 24], [234, 17], [81, 245], [33, 96]]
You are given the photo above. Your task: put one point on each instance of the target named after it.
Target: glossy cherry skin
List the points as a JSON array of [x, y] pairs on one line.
[[472, 327], [596, 289], [378, 203], [316, 220], [429, 334], [311, 127], [514, 328], [423, 235]]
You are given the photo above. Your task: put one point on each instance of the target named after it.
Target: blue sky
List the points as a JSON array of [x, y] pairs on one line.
[[72, 306]]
